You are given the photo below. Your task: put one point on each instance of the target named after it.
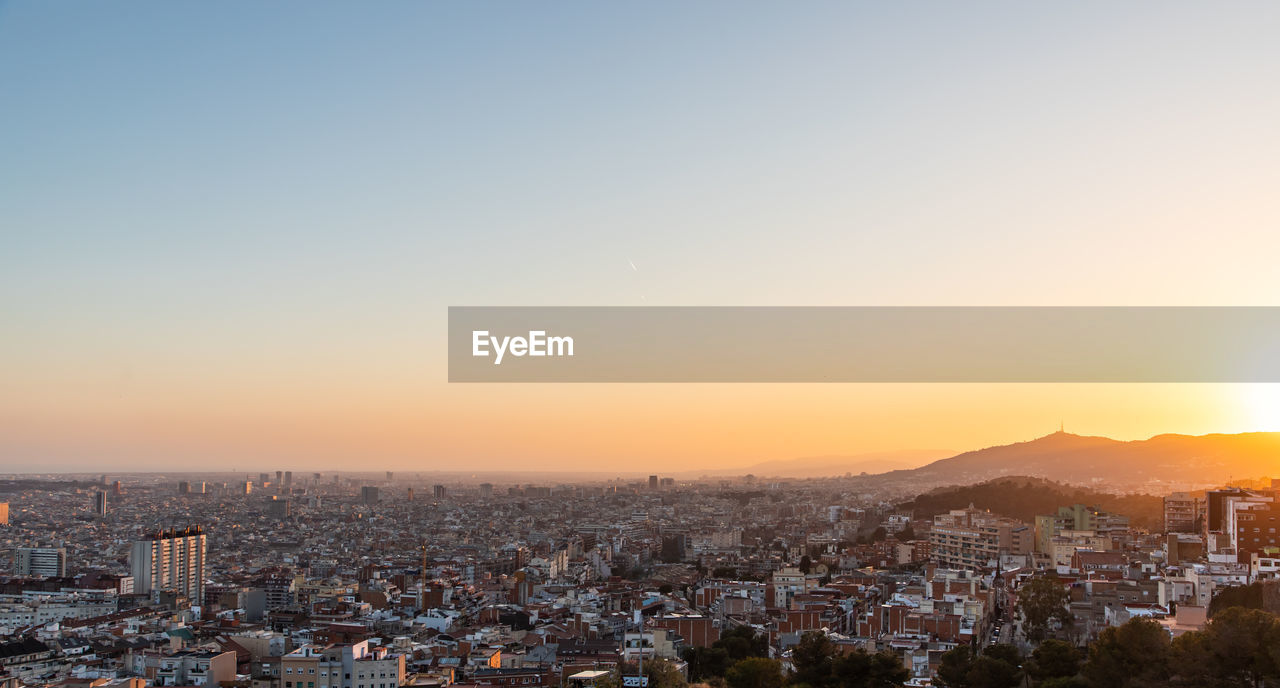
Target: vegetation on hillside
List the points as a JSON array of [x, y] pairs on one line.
[[1026, 498]]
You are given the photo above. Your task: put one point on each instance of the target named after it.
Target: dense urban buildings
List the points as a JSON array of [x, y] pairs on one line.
[[346, 581]]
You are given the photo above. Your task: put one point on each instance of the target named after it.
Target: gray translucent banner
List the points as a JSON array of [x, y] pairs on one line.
[[864, 344]]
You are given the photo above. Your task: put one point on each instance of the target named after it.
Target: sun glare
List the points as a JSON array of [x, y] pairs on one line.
[[1262, 406]]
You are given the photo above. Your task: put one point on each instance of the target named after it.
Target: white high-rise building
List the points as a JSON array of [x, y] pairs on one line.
[[50, 562], [170, 560]]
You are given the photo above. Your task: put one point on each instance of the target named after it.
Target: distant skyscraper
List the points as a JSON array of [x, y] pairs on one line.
[[410, 495], [486, 490], [369, 494], [278, 507], [100, 504], [390, 476], [288, 479], [116, 488], [653, 483], [50, 562], [263, 478], [439, 491], [248, 487], [184, 487], [4, 513], [171, 560]]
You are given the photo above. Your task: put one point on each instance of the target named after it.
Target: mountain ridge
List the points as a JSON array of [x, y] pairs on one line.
[[1086, 460]]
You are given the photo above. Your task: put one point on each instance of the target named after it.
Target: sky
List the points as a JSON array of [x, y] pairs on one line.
[[230, 232]]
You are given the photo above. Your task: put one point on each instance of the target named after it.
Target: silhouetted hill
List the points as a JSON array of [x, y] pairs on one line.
[[1064, 457], [1024, 498]]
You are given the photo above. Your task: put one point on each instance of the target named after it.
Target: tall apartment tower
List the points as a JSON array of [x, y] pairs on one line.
[[369, 494], [4, 513], [170, 560], [440, 491], [653, 483], [50, 562], [100, 504]]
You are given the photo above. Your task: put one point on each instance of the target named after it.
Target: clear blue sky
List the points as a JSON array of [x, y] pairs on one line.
[[191, 192]]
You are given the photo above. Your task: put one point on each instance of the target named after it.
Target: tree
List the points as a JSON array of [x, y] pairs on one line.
[[996, 667], [755, 672], [1054, 659], [735, 644], [953, 672], [1249, 596], [1130, 656], [813, 658], [989, 672], [1191, 660], [805, 564], [861, 669], [706, 662], [741, 642], [1245, 643], [1240, 647], [1042, 606]]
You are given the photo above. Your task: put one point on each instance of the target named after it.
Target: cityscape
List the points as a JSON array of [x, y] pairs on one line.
[[574, 344], [287, 579]]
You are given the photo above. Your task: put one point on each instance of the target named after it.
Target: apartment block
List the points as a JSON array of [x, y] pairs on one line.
[[170, 560]]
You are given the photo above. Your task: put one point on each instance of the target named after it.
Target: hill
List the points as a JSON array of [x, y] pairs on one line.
[[1024, 498], [1064, 457]]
